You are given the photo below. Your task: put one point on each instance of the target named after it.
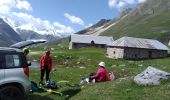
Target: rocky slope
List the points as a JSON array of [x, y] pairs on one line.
[[7, 35]]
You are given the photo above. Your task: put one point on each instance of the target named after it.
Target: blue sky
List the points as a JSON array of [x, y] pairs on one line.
[[64, 16]]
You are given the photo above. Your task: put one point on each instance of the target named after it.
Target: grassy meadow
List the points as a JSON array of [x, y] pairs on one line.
[[71, 65]]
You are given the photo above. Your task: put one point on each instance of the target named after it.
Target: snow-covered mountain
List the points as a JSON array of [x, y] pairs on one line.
[[28, 34], [8, 36], [31, 35]]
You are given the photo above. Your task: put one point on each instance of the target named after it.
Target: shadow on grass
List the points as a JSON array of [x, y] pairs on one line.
[[69, 90], [38, 97], [70, 93]]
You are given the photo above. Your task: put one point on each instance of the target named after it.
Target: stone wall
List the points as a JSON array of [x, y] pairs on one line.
[[135, 53], [115, 52]]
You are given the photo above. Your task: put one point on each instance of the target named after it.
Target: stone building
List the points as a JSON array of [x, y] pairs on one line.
[[82, 41], [136, 48]]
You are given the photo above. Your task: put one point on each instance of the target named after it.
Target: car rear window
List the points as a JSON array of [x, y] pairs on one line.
[[12, 61]]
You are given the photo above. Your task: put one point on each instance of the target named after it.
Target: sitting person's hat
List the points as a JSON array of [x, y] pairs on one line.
[[102, 64]]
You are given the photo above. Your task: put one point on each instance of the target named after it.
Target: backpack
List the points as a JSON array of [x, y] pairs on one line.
[[112, 76], [34, 86], [51, 85]]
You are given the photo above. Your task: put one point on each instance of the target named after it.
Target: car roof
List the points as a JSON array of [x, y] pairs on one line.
[[7, 49]]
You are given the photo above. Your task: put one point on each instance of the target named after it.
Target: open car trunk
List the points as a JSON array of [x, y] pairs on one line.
[[23, 44]]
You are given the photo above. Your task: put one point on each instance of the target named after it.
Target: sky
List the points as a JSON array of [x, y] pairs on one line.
[[63, 16]]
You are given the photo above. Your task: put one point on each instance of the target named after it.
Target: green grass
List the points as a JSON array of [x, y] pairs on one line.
[[66, 66]]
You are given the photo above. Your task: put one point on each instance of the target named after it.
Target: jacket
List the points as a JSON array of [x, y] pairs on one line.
[[46, 61], [101, 75]]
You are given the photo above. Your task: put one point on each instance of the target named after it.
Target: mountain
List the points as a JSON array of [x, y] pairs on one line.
[[27, 34], [32, 35], [7, 35], [95, 28], [150, 19]]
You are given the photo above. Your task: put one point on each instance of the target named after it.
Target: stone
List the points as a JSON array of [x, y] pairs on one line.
[[151, 76]]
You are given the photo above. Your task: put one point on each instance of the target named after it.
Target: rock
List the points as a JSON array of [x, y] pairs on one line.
[[122, 65], [128, 90], [113, 66], [140, 65], [142, 61], [52, 49], [82, 67], [78, 63], [124, 78], [130, 61], [149, 12], [151, 76]]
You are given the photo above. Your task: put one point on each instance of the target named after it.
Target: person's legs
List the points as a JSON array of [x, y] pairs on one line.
[[47, 73], [42, 74]]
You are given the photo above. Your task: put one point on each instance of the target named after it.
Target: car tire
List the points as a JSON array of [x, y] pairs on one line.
[[11, 93]]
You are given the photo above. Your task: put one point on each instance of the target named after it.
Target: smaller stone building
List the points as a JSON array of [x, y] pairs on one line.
[[136, 48], [82, 41]]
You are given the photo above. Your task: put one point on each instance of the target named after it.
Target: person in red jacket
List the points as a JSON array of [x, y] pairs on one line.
[[45, 65], [101, 74]]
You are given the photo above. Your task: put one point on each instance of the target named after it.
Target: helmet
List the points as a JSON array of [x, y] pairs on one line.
[[26, 50]]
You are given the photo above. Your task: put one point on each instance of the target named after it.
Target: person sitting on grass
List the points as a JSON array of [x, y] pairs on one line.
[[101, 74], [45, 66]]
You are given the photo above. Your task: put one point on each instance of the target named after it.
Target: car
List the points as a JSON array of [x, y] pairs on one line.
[[14, 74]]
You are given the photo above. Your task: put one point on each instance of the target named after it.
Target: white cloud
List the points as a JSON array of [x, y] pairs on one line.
[[118, 4], [112, 3], [39, 25], [89, 25], [74, 19], [130, 1], [141, 1], [121, 4], [63, 28], [23, 5], [6, 6], [27, 21]]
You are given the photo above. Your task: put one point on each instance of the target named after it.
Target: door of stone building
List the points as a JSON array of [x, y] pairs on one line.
[[150, 54]]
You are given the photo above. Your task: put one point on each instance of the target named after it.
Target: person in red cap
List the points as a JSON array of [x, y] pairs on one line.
[[101, 74], [45, 65]]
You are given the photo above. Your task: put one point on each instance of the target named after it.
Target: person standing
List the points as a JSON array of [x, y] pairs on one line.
[[26, 52], [45, 65]]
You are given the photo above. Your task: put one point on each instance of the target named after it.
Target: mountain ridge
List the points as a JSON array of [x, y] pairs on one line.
[[8, 36], [147, 20]]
